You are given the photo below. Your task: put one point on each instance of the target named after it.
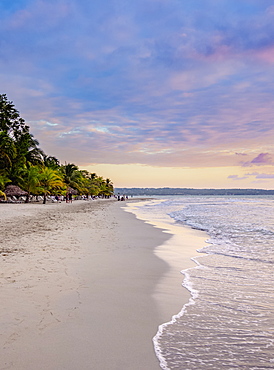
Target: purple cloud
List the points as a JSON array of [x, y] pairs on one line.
[[265, 176], [261, 159], [236, 177], [258, 175]]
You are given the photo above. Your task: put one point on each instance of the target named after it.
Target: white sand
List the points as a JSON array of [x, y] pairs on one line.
[[78, 287]]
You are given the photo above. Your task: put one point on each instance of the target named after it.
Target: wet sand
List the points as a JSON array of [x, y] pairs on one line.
[[81, 287]]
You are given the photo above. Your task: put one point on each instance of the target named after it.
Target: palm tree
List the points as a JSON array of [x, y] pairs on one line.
[[106, 187], [3, 181], [68, 172], [93, 189], [109, 184], [7, 151], [73, 177], [2, 194], [10, 121], [17, 154], [28, 150], [29, 180], [50, 161], [50, 180]]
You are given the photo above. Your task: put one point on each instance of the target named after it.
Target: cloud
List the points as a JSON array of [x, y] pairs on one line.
[[252, 174], [261, 175], [265, 176], [236, 177], [260, 160], [154, 82]]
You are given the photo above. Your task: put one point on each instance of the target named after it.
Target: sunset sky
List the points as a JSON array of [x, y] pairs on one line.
[[149, 93]]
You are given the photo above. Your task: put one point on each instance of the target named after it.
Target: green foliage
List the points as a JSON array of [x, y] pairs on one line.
[[18, 147], [29, 180], [10, 121], [3, 181], [51, 162], [7, 151], [50, 180]]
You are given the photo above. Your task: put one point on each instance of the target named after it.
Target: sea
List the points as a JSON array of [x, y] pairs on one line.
[[228, 322]]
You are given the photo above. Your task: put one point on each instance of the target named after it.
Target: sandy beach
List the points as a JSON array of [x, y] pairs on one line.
[[83, 287]]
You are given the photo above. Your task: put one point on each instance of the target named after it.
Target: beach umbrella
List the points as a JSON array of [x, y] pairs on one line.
[[72, 191], [13, 190]]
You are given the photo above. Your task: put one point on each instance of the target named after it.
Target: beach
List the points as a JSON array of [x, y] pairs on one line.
[[83, 287]]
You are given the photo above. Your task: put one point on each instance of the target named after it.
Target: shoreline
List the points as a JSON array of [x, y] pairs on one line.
[[81, 287], [178, 252]]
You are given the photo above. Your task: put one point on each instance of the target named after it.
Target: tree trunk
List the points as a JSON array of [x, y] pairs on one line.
[[45, 199]]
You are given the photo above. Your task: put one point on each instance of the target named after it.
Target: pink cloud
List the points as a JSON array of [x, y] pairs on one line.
[[265, 54]]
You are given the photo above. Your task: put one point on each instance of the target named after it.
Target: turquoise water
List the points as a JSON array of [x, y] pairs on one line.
[[229, 321]]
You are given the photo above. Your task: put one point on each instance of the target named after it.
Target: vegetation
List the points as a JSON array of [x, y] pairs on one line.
[[24, 164]]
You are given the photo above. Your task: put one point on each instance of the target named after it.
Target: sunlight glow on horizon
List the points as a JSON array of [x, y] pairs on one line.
[[134, 175]]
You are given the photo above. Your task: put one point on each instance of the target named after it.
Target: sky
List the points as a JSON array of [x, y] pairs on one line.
[[149, 93]]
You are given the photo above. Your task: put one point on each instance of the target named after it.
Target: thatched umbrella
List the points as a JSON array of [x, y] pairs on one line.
[[13, 190], [72, 191]]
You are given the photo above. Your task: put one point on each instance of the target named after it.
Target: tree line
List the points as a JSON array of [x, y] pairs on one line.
[[24, 164]]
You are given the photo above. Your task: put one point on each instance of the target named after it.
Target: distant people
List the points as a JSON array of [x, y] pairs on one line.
[[70, 198]]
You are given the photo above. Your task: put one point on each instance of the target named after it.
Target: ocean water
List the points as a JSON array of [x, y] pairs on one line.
[[229, 321]]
